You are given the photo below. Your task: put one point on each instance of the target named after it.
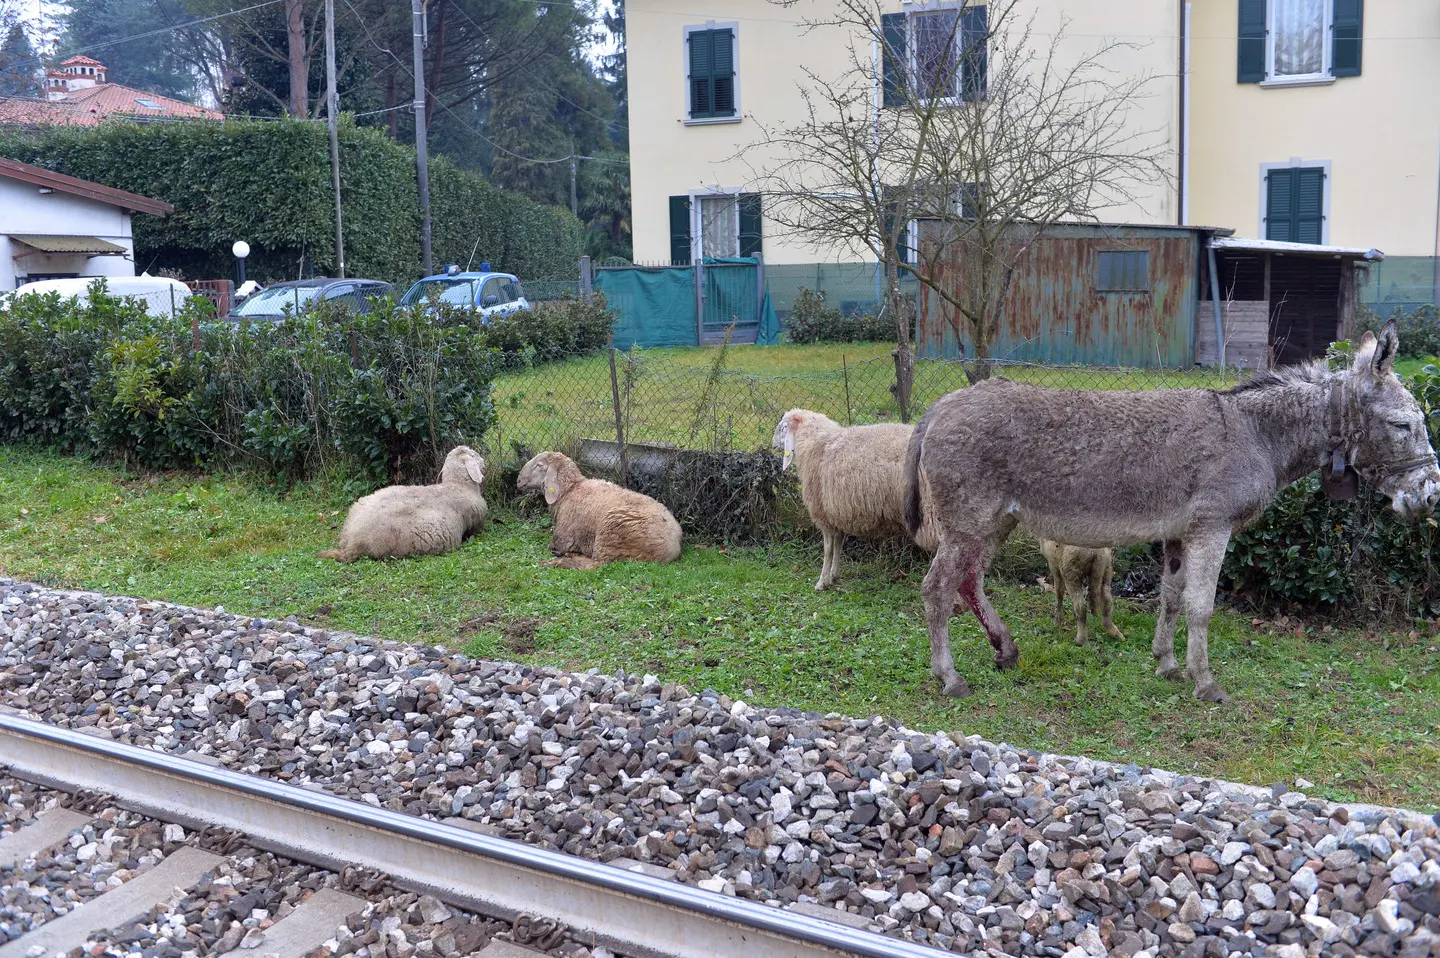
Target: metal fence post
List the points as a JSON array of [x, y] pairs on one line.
[[586, 280], [699, 303], [849, 410], [759, 287], [619, 419]]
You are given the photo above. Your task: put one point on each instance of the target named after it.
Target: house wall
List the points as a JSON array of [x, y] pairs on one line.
[[1055, 314], [669, 157], [25, 210], [1377, 131]]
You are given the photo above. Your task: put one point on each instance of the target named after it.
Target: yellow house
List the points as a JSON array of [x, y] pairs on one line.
[[1305, 120]]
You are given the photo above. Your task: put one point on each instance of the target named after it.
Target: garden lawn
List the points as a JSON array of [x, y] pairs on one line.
[[1355, 714], [686, 396]]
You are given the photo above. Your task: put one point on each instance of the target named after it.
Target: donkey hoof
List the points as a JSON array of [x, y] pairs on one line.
[[1171, 672], [1080, 639], [955, 687], [822, 585], [1211, 692], [1007, 662]]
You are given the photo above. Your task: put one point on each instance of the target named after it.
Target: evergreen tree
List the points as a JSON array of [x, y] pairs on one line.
[[19, 68], [154, 63]]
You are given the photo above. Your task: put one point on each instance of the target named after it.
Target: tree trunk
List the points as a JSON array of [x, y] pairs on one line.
[[904, 358], [299, 75], [392, 95]]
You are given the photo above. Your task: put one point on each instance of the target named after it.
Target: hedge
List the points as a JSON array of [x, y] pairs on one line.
[[269, 184]]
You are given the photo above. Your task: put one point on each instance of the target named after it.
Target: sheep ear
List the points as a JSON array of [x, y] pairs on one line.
[[475, 466], [552, 490]]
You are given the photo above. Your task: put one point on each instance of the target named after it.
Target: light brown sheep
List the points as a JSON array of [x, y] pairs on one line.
[[1072, 569], [597, 521], [417, 520], [851, 479]]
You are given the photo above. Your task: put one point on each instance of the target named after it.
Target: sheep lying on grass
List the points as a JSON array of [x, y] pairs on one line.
[[851, 481], [597, 521], [417, 520], [1071, 570]]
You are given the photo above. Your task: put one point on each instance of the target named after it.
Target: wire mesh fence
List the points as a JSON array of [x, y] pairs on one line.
[[697, 399]]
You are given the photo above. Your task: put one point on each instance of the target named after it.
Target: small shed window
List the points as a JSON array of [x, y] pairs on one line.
[[1123, 271]]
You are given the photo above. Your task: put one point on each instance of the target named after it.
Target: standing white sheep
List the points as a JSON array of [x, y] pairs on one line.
[[597, 521], [417, 520], [851, 479]]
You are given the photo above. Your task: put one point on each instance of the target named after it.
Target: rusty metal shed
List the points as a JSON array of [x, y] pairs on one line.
[[1092, 294], [1279, 303]]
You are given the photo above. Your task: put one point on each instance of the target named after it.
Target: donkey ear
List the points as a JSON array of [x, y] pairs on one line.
[[1388, 350], [1365, 354]]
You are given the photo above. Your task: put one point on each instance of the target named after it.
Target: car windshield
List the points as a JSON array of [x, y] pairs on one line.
[[273, 301], [455, 292]]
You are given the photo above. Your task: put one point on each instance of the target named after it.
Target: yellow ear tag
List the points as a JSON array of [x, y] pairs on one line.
[[789, 446], [550, 491]]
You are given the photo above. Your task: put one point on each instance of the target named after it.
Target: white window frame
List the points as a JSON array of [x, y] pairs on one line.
[[912, 48], [1292, 163], [734, 27], [697, 225], [1325, 77]]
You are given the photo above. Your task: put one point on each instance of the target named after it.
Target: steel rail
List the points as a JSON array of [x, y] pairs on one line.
[[628, 911]]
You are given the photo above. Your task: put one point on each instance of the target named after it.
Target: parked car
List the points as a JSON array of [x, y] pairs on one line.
[[493, 294], [162, 295], [273, 302]]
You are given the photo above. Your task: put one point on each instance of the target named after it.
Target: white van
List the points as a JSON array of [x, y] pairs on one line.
[[162, 296]]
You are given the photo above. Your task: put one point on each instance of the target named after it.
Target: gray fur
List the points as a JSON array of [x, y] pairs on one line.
[[1187, 467], [417, 520]]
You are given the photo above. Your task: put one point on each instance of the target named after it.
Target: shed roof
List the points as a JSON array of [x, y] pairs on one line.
[[49, 179], [1295, 249]]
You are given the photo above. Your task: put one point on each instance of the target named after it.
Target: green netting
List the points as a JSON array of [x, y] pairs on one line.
[[1400, 283], [653, 307]]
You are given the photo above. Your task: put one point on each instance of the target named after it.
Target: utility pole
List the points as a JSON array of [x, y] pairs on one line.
[[332, 108], [417, 12], [574, 203]]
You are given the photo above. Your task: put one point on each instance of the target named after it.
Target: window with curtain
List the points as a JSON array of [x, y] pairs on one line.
[[1297, 37], [720, 225]]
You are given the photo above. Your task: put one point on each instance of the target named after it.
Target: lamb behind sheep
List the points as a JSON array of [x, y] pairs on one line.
[[1072, 569], [851, 479], [597, 521], [417, 520]]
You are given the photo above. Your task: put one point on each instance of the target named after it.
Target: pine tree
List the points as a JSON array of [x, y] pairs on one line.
[[19, 68]]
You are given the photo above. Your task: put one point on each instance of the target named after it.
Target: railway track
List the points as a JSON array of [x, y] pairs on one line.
[[544, 898]]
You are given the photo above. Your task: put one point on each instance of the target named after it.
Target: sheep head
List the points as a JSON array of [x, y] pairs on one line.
[[550, 472], [463, 464], [784, 438]]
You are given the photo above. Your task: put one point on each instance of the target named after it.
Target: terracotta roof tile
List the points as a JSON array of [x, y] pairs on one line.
[[89, 106]]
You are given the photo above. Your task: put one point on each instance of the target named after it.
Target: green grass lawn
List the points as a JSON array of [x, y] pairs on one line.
[[1354, 713], [669, 395]]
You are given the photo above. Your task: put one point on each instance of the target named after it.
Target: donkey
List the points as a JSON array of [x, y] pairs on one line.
[[1186, 467]]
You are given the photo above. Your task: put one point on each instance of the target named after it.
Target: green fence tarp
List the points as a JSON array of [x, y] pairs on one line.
[[769, 333], [652, 307]]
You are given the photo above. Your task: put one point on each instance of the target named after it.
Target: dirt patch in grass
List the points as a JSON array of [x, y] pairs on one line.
[[520, 634]]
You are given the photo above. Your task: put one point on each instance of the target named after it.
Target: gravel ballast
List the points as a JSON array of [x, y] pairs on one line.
[[963, 844]]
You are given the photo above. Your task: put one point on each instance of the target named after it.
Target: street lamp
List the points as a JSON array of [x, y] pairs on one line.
[[241, 249]]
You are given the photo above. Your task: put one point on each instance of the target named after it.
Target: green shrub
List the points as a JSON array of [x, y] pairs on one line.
[[385, 395], [1419, 329], [555, 329], [269, 184], [813, 320]]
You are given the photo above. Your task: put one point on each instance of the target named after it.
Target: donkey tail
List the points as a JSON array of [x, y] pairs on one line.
[[912, 474]]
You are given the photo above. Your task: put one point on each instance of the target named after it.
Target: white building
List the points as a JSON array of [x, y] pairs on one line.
[[54, 226]]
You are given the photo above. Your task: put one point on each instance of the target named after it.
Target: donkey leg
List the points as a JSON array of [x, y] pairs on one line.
[[1007, 656], [1101, 595], [1204, 557], [938, 590], [1172, 585]]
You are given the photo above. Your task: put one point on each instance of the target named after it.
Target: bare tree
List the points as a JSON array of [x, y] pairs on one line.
[[971, 123]]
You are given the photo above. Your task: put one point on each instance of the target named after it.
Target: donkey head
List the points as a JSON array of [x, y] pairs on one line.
[[1390, 444]]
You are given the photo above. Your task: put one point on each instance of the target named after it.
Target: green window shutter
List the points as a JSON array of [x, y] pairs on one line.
[[1346, 32], [722, 84], [1251, 67], [701, 70], [975, 40], [750, 228], [1309, 204], [680, 230], [1280, 205], [893, 58]]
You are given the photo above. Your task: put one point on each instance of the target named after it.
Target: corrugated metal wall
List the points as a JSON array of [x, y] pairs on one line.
[[1054, 313]]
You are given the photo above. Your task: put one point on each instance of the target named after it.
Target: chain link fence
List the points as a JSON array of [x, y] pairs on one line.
[[697, 400]]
